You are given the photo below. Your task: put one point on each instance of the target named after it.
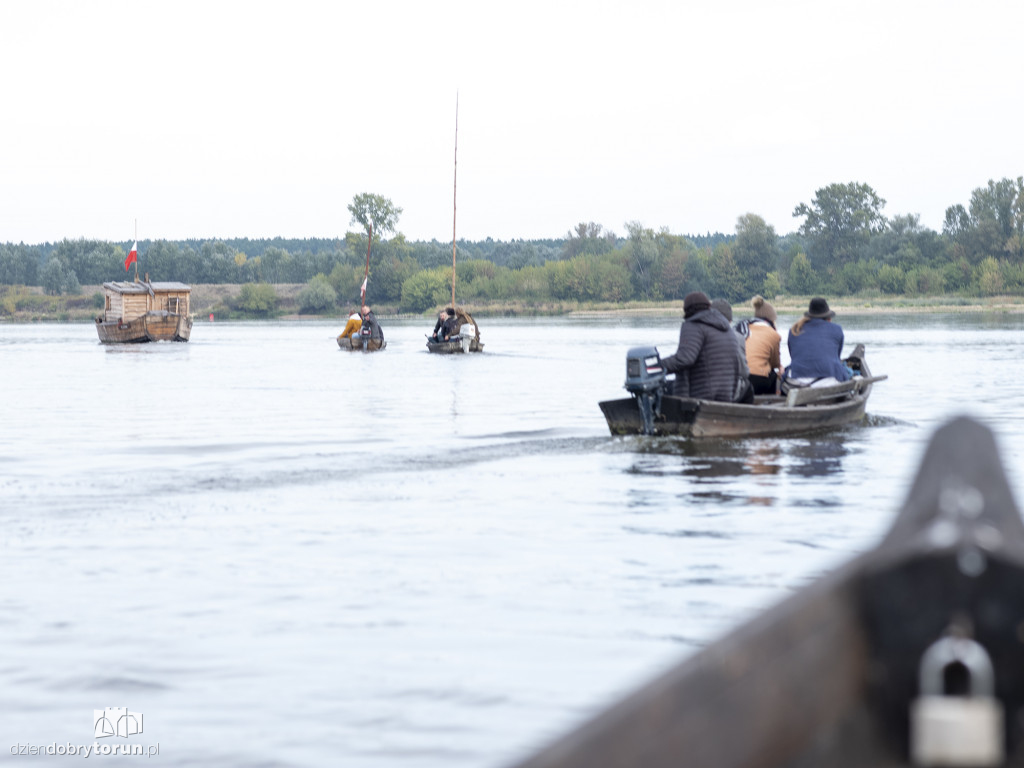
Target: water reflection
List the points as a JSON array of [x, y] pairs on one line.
[[713, 460], [738, 472], [819, 458]]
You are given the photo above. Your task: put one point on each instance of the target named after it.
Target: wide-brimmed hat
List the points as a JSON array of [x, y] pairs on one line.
[[819, 308], [694, 302], [763, 309]]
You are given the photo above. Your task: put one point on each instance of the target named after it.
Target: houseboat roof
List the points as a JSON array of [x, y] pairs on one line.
[[139, 287]]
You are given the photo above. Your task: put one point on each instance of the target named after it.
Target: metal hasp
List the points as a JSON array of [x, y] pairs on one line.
[[645, 380], [956, 730]]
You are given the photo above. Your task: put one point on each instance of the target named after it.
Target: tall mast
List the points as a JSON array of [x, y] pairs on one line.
[[454, 189]]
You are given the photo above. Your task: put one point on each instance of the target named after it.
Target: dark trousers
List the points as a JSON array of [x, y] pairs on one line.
[[764, 385]]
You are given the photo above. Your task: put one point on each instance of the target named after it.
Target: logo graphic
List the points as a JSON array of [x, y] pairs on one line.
[[116, 721]]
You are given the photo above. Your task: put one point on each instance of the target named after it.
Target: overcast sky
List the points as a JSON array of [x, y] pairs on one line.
[[254, 119]]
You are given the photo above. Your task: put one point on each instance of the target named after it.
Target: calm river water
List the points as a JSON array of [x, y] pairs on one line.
[[284, 554]]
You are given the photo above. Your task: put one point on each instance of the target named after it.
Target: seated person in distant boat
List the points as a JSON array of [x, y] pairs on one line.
[[815, 344], [370, 326], [441, 317], [763, 345], [355, 322], [724, 307], [451, 325], [447, 325], [709, 363]]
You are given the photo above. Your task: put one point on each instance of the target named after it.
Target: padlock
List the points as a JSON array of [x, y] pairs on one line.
[[947, 730]]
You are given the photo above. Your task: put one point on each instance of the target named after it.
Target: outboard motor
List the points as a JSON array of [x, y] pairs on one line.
[[645, 380]]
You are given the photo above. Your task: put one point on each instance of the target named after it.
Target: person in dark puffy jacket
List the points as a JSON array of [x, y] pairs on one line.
[[710, 363]]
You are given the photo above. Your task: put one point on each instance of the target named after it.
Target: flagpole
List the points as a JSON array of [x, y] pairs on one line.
[[136, 255], [455, 175], [366, 275]]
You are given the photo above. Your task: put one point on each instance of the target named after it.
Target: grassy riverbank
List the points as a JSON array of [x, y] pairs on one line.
[[22, 304]]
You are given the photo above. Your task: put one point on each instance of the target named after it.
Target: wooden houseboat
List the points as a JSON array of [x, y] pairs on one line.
[[141, 311]]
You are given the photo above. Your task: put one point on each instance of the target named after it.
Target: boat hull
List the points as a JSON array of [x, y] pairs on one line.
[[688, 417], [768, 416], [455, 346], [359, 344], [153, 326]]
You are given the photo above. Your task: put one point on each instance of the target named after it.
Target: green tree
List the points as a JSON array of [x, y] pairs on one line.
[[891, 279], [257, 299], [994, 223], [613, 283], [727, 280], [19, 265], [425, 289], [674, 276], [772, 286], [642, 250], [957, 275], [853, 277], [367, 208], [588, 239], [755, 252], [57, 277], [990, 278], [840, 222], [93, 261], [802, 278], [923, 281], [346, 280], [531, 283], [318, 296], [387, 278]]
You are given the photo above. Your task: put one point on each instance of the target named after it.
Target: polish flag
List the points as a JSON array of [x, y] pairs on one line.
[[362, 292], [133, 255]]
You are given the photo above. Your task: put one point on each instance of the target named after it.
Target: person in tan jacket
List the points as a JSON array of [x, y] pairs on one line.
[[763, 344], [355, 322]]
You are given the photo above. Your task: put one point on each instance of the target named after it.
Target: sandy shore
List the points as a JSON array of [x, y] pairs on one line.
[[841, 306], [217, 298]]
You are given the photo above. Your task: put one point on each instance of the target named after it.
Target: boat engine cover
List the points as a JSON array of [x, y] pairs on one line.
[[644, 371]]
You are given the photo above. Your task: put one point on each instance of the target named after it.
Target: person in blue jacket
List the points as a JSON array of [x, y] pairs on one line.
[[815, 345]]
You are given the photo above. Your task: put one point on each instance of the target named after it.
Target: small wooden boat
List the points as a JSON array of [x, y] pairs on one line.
[[359, 343], [651, 412], [466, 338], [371, 336], [141, 311], [911, 652]]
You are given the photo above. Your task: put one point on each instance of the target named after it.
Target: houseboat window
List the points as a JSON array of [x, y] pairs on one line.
[[172, 304]]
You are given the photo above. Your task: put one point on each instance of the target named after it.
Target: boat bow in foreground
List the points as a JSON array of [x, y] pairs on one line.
[[912, 652]]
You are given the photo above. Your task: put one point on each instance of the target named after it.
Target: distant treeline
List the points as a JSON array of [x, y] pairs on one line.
[[843, 247]]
